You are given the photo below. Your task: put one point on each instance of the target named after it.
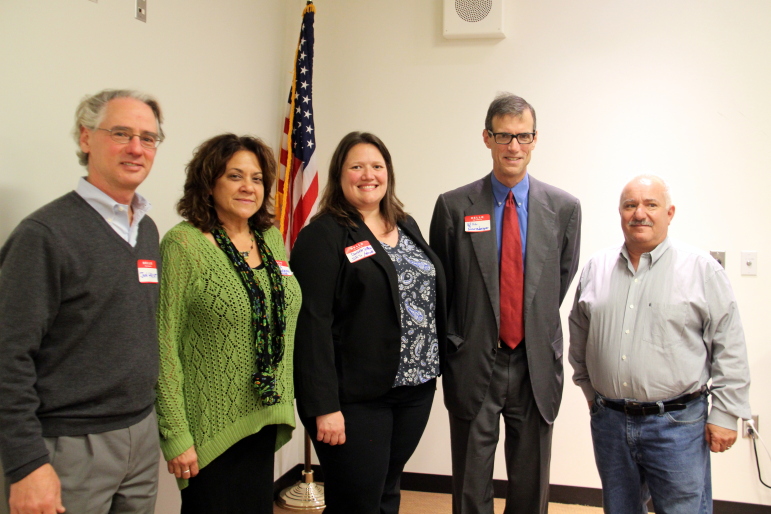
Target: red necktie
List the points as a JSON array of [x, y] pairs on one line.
[[512, 277]]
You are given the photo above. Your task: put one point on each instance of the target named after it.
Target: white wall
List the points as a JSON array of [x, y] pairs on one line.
[[676, 88], [215, 67]]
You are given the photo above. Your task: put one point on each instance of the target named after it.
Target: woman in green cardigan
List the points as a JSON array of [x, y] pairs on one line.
[[226, 324]]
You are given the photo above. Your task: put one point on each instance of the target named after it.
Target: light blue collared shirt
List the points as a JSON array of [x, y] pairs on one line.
[[521, 192], [115, 214], [660, 331]]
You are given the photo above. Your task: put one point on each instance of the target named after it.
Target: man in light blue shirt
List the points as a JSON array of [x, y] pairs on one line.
[[654, 323]]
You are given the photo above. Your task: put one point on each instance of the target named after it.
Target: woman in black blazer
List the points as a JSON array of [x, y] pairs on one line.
[[368, 346]]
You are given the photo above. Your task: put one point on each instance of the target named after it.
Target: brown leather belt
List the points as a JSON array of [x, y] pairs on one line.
[[633, 408]]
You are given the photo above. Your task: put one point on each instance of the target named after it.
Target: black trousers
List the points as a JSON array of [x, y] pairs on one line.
[[362, 476], [238, 481]]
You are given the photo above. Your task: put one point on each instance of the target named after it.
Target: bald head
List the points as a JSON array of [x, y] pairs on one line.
[[649, 180]]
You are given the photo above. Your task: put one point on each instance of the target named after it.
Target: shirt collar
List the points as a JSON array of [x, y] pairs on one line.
[[655, 254], [521, 190], [106, 206]]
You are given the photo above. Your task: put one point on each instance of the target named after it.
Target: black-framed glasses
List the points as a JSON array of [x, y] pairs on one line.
[[123, 135], [504, 138]]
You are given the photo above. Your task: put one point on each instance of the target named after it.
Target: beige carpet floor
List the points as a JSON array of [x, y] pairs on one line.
[[433, 503]]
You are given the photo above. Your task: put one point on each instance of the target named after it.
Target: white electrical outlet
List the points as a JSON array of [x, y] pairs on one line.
[[719, 257], [141, 13], [746, 426]]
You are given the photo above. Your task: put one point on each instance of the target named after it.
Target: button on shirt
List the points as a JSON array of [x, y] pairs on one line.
[[521, 192], [114, 213], [660, 331]]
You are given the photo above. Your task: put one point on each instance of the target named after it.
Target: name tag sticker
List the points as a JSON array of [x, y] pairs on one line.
[[283, 267], [148, 272], [359, 251], [478, 223]]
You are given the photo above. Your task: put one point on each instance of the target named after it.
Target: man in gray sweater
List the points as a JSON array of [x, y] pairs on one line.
[[78, 293]]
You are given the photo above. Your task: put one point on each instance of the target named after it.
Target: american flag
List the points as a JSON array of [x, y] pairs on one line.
[[297, 195]]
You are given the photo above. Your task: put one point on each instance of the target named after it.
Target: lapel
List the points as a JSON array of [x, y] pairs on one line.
[[484, 243], [361, 233], [541, 221]]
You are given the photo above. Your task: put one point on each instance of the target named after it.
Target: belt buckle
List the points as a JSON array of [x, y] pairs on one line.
[[630, 407]]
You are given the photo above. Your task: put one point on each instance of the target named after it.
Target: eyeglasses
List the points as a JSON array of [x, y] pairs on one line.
[[504, 138], [123, 136]]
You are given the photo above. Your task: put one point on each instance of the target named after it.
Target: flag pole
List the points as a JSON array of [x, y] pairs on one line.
[[305, 494]]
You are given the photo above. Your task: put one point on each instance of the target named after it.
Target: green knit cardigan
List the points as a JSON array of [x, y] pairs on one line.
[[207, 352]]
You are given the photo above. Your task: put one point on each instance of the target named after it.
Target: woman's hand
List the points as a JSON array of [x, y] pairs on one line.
[[184, 465], [330, 428]]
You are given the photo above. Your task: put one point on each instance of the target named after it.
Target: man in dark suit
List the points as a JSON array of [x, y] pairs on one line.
[[509, 244]]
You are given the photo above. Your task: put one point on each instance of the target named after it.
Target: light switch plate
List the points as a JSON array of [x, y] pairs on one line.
[[749, 263], [141, 13], [719, 257]]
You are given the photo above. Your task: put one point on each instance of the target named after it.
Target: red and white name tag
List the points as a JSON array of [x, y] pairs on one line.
[[283, 267], [148, 272], [359, 251], [478, 223]]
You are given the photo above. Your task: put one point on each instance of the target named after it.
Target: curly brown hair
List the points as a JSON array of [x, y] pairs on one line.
[[333, 201], [208, 164]]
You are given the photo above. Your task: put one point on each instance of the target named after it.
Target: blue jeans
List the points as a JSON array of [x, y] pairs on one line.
[[661, 456]]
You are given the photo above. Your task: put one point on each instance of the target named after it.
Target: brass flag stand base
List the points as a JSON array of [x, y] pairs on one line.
[[306, 494]]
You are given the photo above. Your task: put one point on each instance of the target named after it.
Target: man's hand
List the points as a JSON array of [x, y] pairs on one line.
[[330, 428], [718, 438], [40, 492], [184, 465]]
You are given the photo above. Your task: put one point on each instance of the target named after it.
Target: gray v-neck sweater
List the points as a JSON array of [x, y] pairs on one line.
[[78, 341]]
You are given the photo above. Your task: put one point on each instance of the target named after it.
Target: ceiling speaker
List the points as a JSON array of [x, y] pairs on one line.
[[473, 19]]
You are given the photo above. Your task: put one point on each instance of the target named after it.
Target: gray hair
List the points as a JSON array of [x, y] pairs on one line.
[[507, 104], [92, 108], [649, 177]]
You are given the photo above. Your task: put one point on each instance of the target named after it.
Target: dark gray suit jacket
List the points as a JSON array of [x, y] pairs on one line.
[[471, 266]]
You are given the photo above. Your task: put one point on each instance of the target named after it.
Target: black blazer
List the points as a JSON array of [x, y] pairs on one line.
[[349, 329]]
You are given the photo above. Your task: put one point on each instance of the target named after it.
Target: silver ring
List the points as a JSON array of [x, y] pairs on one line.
[[186, 471]]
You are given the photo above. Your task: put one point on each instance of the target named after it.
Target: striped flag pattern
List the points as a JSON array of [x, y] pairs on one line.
[[297, 193]]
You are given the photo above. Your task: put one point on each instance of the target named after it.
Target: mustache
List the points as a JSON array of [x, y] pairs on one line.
[[640, 223]]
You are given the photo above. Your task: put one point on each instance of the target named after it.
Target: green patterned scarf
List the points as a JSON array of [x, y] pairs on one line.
[[269, 337]]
